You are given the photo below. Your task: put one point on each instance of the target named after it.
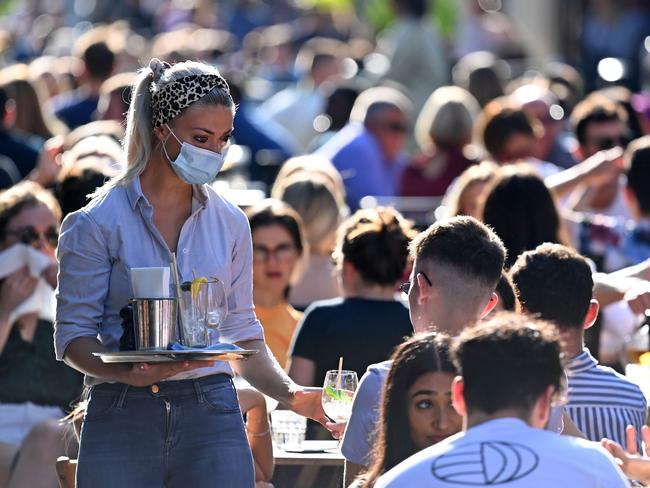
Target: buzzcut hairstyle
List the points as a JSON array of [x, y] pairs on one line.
[[463, 245], [596, 108], [637, 170], [555, 283], [507, 362]]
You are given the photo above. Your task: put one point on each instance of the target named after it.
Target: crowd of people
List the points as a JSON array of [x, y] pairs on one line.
[[471, 237]]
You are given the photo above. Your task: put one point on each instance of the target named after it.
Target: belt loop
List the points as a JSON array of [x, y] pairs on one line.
[[199, 391], [120, 401]]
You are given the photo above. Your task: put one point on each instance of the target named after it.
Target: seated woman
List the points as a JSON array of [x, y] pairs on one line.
[[368, 322], [416, 410], [34, 386], [315, 197], [443, 131], [277, 247]]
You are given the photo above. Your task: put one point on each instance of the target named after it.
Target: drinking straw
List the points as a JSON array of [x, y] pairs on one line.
[[338, 380], [179, 293]]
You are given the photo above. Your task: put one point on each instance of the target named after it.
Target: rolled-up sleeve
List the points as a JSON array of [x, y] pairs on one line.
[[241, 323], [84, 273]]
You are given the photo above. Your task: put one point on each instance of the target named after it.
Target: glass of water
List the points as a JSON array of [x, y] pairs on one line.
[[288, 429]]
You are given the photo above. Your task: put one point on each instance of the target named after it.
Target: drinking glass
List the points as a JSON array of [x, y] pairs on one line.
[[288, 429], [207, 308], [338, 393]]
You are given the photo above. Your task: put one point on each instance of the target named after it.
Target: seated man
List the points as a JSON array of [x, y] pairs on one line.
[[555, 283], [457, 264], [511, 372], [616, 243]]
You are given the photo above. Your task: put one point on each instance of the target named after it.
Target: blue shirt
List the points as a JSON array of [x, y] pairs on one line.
[[602, 402], [363, 166], [115, 232]]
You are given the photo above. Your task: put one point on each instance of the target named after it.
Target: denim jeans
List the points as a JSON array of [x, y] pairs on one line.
[[185, 433]]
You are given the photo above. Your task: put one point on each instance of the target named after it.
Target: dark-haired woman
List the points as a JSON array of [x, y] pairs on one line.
[[522, 211], [416, 409], [368, 322], [165, 424], [277, 234]]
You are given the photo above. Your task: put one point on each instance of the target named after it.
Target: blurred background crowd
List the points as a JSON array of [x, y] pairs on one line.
[[530, 116]]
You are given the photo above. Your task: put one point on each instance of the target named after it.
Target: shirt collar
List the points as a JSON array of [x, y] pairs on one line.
[[581, 363], [134, 193]]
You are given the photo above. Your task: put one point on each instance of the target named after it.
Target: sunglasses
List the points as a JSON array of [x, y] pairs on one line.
[[29, 235], [406, 286], [603, 143], [395, 127]]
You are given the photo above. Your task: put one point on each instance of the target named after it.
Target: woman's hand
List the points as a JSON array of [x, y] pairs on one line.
[[307, 401], [145, 374], [49, 274], [16, 288]]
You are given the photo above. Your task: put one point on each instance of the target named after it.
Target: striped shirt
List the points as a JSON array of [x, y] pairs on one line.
[[602, 402]]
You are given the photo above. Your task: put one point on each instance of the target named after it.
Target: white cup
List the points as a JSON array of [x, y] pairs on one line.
[[150, 282]]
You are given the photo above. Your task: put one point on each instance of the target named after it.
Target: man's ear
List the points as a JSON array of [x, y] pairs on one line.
[[542, 408], [494, 299], [592, 314], [458, 396], [425, 290]]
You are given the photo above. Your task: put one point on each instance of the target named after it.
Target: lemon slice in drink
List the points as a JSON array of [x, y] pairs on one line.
[[196, 283], [644, 359]]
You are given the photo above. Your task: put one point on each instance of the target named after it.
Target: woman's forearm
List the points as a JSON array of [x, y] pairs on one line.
[[79, 355], [263, 372], [5, 329]]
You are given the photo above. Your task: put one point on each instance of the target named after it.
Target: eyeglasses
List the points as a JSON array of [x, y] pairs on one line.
[[406, 286], [283, 252], [29, 235]]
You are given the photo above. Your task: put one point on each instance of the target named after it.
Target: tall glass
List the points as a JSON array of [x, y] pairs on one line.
[[338, 393], [204, 307]]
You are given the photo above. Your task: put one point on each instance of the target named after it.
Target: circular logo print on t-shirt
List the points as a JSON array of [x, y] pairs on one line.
[[485, 463]]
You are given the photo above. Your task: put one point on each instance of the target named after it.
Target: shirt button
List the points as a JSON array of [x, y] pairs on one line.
[[185, 251], [155, 389]]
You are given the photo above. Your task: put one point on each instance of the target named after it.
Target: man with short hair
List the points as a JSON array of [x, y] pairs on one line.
[[510, 373], [618, 243], [368, 150], [600, 124], [555, 283], [457, 264]]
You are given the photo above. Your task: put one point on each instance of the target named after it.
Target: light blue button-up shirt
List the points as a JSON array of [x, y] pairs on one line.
[[100, 243]]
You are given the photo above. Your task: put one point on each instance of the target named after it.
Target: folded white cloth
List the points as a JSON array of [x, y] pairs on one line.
[[42, 300]]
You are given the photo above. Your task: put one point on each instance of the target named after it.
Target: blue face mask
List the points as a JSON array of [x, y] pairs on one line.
[[195, 165]]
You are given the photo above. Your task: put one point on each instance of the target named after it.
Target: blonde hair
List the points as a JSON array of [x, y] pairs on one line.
[[139, 140], [312, 196], [447, 118], [484, 172], [314, 163]]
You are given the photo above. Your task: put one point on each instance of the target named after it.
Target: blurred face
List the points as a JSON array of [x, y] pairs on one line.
[[603, 135], [471, 200], [274, 258], [540, 111], [35, 226], [390, 127], [432, 417], [517, 146], [206, 126]]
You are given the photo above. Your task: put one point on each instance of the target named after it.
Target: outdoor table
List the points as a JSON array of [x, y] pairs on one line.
[[331, 457]]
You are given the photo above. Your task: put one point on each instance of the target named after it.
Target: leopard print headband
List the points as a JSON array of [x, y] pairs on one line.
[[168, 102]]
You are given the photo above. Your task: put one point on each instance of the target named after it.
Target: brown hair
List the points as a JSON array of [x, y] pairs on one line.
[[375, 241], [596, 108], [25, 194]]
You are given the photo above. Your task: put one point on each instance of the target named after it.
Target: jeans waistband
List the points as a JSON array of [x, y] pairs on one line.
[[178, 387]]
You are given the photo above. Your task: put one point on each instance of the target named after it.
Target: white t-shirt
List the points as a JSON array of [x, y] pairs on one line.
[[360, 432], [507, 452]]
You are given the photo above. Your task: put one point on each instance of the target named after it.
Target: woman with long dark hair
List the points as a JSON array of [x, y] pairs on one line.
[[416, 409]]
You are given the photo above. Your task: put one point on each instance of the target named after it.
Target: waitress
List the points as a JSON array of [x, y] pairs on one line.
[[169, 424]]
